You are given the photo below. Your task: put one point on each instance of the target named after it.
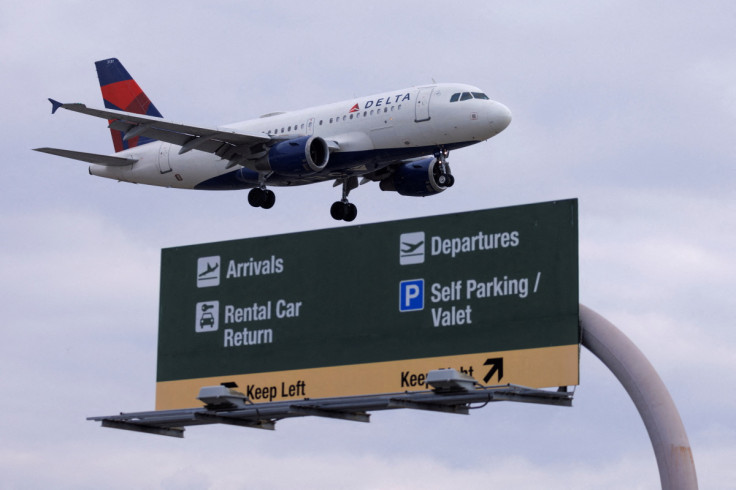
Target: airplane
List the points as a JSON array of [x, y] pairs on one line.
[[400, 139], [410, 247], [210, 268]]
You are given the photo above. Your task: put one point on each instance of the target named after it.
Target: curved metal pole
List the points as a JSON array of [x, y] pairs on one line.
[[649, 394]]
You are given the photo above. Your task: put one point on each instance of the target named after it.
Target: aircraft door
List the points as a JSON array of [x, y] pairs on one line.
[[422, 104], [310, 127], [163, 158]]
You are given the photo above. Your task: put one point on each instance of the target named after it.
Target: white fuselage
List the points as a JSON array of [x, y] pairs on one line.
[[364, 134]]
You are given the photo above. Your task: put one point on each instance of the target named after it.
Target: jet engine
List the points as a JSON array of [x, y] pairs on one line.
[[298, 157], [418, 178]]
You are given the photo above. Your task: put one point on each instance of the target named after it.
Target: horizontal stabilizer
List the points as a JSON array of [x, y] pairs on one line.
[[105, 160]]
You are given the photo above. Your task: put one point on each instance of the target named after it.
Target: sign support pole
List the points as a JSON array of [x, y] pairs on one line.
[[649, 394]]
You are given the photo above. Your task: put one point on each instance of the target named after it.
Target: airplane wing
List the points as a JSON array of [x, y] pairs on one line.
[[105, 160], [225, 142]]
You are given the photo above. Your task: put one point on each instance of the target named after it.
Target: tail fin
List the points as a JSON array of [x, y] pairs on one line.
[[121, 92]]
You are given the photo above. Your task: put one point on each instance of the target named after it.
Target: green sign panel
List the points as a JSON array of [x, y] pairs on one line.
[[313, 304]]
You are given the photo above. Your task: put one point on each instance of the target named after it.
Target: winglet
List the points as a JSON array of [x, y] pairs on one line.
[[55, 104]]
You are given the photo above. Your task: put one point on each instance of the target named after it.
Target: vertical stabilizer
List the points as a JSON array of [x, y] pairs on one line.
[[121, 92]]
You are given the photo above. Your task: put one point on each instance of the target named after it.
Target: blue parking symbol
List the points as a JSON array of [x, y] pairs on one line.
[[411, 295]]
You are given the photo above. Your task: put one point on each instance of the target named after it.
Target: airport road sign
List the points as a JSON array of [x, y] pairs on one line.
[[372, 308]]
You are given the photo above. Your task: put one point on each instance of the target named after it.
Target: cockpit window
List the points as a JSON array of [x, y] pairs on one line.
[[468, 96]]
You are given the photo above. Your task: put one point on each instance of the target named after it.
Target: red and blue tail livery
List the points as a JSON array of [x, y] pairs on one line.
[[398, 139], [122, 93]]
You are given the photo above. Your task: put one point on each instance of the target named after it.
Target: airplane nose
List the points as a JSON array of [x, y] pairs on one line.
[[500, 117]]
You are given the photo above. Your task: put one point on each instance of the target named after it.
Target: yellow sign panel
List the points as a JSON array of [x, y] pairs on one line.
[[534, 368]]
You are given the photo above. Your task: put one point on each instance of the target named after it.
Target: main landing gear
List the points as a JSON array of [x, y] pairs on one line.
[[444, 178], [344, 210], [260, 197]]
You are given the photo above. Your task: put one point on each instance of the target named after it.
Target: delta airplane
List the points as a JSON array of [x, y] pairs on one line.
[[400, 139]]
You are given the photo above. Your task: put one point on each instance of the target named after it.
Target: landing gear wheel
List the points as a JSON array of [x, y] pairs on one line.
[[337, 211], [343, 211], [351, 211], [256, 197], [261, 198], [269, 199]]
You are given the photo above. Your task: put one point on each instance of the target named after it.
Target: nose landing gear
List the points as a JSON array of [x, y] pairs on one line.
[[444, 178]]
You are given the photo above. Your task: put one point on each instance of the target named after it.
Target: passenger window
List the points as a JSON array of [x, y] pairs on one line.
[[351, 116], [466, 96], [320, 122], [455, 97], [480, 95]]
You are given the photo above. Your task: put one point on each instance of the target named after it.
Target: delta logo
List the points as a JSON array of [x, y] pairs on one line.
[[383, 101]]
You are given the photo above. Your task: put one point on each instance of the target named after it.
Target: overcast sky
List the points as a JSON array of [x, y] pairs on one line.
[[628, 106]]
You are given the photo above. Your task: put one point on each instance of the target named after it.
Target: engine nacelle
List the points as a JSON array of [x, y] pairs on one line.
[[417, 178], [298, 157]]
